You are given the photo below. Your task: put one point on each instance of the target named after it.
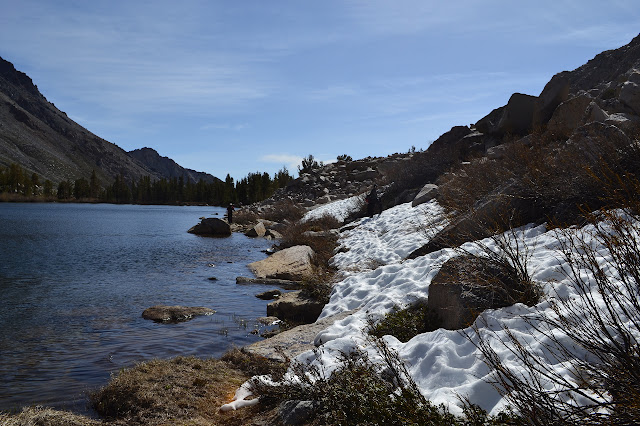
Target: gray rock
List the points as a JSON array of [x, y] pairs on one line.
[[285, 284], [517, 117], [257, 231], [293, 263], [297, 412], [630, 96], [554, 93], [269, 294], [569, 115], [427, 193], [467, 285], [273, 234], [295, 306], [173, 314], [211, 227], [293, 342]]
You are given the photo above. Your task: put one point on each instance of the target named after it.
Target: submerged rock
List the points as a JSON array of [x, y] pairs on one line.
[[173, 314]]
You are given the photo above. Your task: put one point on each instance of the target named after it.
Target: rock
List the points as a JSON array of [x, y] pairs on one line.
[[285, 284], [268, 320], [624, 122], [297, 412], [554, 93], [630, 96], [293, 263], [172, 314], [211, 227], [330, 233], [295, 306], [212, 279], [517, 118], [257, 231], [269, 294], [293, 342], [595, 113], [489, 123], [427, 193], [273, 234], [569, 115], [467, 285]]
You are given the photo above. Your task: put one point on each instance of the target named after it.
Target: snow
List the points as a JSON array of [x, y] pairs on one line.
[[445, 364], [340, 209]]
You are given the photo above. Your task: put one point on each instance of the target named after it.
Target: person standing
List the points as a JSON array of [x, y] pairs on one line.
[[230, 213], [373, 201]]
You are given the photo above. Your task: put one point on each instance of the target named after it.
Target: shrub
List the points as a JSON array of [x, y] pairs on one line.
[[405, 323], [359, 392], [603, 321], [284, 211]]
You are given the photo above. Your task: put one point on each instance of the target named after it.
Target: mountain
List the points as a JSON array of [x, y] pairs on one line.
[[42, 139], [167, 167]]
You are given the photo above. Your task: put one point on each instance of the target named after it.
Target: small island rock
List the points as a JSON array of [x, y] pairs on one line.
[[173, 314], [211, 227]]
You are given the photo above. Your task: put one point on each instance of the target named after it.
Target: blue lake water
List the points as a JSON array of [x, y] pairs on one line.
[[75, 278]]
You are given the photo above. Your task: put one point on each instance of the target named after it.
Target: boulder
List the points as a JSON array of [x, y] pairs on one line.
[[569, 115], [211, 227], [517, 117], [630, 96], [554, 93], [291, 343], [624, 122], [293, 263], [273, 234], [295, 306], [427, 193], [173, 314], [257, 231], [467, 285], [595, 113], [489, 123]]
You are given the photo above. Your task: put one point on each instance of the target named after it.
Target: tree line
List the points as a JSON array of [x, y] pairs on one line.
[[19, 183]]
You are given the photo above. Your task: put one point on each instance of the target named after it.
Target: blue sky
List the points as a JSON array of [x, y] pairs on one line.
[[244, 86]]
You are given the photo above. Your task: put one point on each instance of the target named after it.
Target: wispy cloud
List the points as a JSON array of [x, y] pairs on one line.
[[291, 161]]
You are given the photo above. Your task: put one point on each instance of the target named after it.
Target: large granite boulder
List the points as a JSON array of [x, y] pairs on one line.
[[569, 115], [295, 306], [427, 193], [517, 118], [467, 285], [211, 227], [257, 231], [293, 263], [554, 93], [173, 314], [291, 343], [630, 93]]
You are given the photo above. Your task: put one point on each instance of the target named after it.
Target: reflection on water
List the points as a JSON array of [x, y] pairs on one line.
[[75, 279]]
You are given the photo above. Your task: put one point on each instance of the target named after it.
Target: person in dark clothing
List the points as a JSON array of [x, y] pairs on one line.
[[230, 213], [373, 202]]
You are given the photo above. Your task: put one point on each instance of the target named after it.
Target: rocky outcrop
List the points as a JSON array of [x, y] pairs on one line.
[[467, 285], [427, 193], [295, 306], [172, 314], [168, 168], [291, 343], [269, 294], [293, 263], [211, 227]]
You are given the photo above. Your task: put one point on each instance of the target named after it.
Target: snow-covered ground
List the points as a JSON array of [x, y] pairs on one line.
[[444, 364]]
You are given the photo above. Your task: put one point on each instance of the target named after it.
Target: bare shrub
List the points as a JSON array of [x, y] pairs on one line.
[[602, 265], [284, 211], [360, 391], [405, 322], [244, 217]]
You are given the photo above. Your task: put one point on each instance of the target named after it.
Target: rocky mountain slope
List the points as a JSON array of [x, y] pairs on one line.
[[42, 139], [167, 167], [606, 90]]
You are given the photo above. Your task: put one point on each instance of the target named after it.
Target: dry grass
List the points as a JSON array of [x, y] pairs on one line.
[[284, 211], [40, 416], [183, 390]]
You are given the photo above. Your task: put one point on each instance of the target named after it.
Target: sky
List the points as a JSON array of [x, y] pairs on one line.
[[254, 85]]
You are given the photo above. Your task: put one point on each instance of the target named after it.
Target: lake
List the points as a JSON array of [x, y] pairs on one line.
[[75, 278]]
